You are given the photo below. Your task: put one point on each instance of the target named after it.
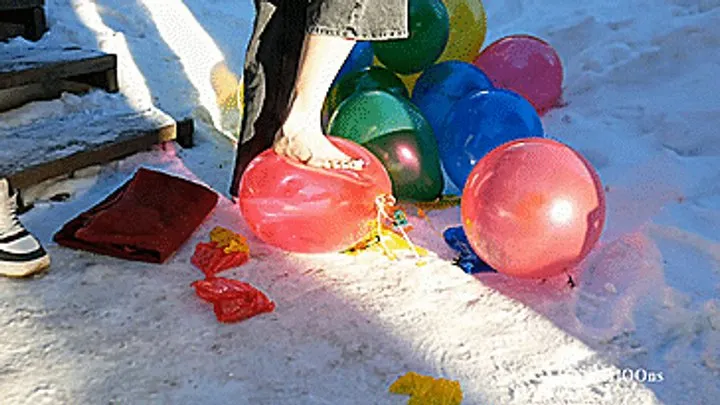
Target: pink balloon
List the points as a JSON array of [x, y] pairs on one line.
[[307, 210], [526, 65], [532, 208]]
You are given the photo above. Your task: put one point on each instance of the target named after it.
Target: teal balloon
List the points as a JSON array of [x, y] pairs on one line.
[[429, 26], [397, 133], [370, 114], [369, 78]]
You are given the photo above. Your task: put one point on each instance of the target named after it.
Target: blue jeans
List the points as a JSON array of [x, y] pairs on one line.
[[273, 55]]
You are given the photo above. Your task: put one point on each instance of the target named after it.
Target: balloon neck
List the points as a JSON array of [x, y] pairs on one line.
[[389, 215]]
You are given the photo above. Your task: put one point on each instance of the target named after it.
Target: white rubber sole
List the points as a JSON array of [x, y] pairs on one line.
[[24, 269]]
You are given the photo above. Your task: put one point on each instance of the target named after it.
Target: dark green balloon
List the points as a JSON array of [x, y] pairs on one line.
[[370, 78], [397, 133], [369, 114], [429, 26], [414, 167]]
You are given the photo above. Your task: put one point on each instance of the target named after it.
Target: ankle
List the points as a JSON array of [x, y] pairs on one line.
[[304, 113]]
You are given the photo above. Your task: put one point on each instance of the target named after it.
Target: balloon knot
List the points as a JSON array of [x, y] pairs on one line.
[[396, 219]]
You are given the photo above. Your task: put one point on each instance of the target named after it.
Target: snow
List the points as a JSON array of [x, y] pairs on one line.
[[643, 107]]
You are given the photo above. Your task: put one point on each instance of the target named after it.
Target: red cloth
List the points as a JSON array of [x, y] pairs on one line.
[[147, 219]]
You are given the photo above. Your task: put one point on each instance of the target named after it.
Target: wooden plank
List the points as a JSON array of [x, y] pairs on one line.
[[20, 4], [26, 65], [19, 96], [10, 30], [105, 154], [31, 19], [185, 133], [37, 25], [53, 147]]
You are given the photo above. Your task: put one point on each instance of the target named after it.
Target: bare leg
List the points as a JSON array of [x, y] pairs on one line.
[[301, 136]]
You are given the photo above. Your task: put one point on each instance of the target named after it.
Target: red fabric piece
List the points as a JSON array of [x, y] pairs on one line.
[[212, 260], [233, 300], [147, 219]]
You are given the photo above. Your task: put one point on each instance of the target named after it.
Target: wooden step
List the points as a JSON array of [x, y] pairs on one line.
[[57, 146], [22, 18], [35, 73], [11, 30], [20, 4]]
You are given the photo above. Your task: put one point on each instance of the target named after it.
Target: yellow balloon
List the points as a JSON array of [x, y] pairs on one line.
[[409, 80], [468, 27]]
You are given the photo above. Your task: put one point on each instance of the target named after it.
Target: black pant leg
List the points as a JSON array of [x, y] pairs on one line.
[[271, 65]]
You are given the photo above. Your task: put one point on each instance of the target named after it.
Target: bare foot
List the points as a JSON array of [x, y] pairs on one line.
[[301, 136], [314, 149]]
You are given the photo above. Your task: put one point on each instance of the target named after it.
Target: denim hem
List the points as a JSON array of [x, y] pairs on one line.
[[351, 33]]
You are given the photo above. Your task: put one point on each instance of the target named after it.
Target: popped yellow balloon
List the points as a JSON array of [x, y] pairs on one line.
[[426, 390], [228, 240], [468, 27]]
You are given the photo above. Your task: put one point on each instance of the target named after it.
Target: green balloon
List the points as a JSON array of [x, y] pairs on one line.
[[429, 26], [370, 114], [370, 78], [413, 166]]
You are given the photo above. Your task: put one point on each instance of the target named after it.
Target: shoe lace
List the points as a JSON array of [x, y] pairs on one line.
[[9, 221]]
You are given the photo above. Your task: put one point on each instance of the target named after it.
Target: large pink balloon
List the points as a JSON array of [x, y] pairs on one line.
[[532, 208], [302, 209], [526, 65]]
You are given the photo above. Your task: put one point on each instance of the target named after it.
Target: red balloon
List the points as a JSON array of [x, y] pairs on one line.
[[526, 65], [307, 210], [532, 208]]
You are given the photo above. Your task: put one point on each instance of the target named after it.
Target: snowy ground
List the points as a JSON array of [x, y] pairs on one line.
[[643, 106]]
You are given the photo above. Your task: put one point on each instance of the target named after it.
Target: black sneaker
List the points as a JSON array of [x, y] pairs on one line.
[[21, 254]]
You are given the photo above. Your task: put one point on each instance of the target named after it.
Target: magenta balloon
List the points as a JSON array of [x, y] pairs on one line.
[[526, 65]]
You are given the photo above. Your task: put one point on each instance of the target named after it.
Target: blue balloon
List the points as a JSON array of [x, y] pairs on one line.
[[467, 259], [360, 57], [479, 123], [441, 85], [450, 187]]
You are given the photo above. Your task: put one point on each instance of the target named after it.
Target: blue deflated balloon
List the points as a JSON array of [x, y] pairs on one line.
[[467, 259]]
